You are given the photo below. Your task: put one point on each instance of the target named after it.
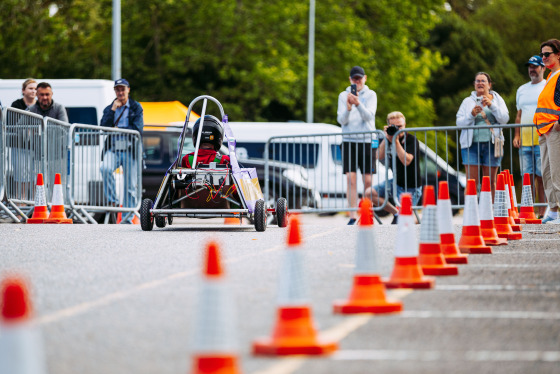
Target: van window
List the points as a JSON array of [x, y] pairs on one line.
[[254, 150], [294, 153], [83, 115], [153, 149], [188, 146], [336, 154]]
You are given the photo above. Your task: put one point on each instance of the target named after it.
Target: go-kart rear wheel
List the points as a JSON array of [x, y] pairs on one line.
[[260, 215], [146, 219], [169, 219], [282, 212], [160, 222]]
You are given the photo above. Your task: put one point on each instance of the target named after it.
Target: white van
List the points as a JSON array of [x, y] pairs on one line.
[[320, 155], [84, 99]]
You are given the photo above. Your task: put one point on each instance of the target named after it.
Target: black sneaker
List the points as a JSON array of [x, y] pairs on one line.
[[352, 221], [395, 219]]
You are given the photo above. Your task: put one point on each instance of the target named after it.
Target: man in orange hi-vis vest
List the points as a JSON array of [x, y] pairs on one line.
[[546, 119]]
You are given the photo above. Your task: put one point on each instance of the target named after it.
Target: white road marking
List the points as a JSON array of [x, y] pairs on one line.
[[478, 356], [338, 332], [480, 314], [120, 295]]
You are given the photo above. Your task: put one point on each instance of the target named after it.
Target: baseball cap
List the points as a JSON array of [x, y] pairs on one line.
[[357, 71], [535, 60], [122, 82]]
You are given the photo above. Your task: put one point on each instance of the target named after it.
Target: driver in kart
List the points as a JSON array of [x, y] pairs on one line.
[[211, 140]]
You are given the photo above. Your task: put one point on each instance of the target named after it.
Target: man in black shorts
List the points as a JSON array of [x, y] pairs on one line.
[[356, 113]]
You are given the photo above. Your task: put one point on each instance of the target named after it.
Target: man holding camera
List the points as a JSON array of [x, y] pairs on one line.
[[407, 172], [356, 113]]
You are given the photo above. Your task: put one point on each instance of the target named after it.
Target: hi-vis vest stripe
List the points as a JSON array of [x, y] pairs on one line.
[[547, 112]]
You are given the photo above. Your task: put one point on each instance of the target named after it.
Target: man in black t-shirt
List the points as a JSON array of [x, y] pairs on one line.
[[407, 172]]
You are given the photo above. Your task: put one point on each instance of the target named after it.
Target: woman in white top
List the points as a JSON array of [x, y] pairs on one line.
[[483, 108]]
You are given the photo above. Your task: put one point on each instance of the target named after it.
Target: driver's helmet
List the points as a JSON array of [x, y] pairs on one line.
[[212, 132]]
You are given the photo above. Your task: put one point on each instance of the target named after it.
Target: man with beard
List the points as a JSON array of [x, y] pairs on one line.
[[527, 138], [45, 104]]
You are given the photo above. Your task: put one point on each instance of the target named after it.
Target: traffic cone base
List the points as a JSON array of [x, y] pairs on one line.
[[215, 364], [294, 334], [40, 214], [232, 221], [490, 234], [432, 261], [408, 274], [472, 242], [535, 221], [367, 296], [450, 250], [58, 216], [504, 229]]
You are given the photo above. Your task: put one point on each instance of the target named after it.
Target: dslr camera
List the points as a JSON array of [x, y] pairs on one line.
[[392, 130]]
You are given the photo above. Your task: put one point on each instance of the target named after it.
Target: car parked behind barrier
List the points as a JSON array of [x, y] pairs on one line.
[[160, 149]]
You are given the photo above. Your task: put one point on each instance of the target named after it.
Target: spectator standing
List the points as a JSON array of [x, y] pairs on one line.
[[483, 108], [122, 113], [527, 138], [29, 93], [546, 119], [407, 172], [45, 104], [355, 113]]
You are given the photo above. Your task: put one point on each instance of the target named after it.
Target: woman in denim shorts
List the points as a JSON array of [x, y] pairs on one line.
[[483, 108]]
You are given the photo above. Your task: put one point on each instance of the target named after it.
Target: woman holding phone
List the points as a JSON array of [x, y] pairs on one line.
[[482, 109]]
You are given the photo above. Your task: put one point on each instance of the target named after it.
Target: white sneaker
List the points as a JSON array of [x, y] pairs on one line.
[[554, 221]]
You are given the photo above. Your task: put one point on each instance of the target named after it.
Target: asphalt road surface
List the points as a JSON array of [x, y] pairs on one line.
[[115, 299]]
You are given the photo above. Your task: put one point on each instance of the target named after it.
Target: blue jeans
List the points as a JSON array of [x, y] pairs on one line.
[[530, 160], [415, 192], [111, 161], [480, 154]]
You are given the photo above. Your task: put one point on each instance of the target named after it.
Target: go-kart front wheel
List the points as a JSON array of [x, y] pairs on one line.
[[282, 212], [160, 222], [260, 215], [146, 219]]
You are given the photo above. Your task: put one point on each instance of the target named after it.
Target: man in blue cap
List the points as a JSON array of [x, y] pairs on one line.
[[119, 150], [527, 138]]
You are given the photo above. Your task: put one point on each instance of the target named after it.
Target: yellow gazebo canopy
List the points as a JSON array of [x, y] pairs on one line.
[[164, 112]]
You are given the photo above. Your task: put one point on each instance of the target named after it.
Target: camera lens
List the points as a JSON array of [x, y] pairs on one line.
[[391, 130]]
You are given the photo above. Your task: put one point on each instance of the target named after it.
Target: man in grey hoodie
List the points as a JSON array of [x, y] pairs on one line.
[[356, 113]]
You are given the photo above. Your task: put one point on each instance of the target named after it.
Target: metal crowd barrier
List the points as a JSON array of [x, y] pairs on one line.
[[23, 156], [436, 163], [96, 183], [308, 170], [31, 144]]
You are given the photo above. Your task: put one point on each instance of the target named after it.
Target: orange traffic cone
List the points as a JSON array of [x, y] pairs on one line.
[[294, 332], [407, 272], [526, 210], [514, 199], [135, 220], [214, 348], [233, 220], [489, 233], [471, 238], [514, 226], [21, 346], [368, 292], [501, 217], [40, 212], [430, 256], [57, 209], [445, 223]]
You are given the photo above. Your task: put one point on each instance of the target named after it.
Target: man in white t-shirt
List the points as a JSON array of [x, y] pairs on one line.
[[528, 143]]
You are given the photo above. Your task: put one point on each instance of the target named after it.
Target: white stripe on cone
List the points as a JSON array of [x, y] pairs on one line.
[[293, 285], [21, 350], [508, 201], [445, 215], [514, 195], [406, 244], [485, 206], [429, 231], [500, 205], [470, 215], [366, 252], [57, 198], [214, 327], [527, 196], [40, 197]]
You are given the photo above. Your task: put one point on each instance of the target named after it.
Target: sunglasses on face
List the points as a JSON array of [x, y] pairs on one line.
[[546, 54]]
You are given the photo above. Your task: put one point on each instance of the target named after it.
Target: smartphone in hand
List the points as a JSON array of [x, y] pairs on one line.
[[353, 90]]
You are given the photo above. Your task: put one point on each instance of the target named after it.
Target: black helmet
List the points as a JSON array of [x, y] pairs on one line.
[[212, 132]]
